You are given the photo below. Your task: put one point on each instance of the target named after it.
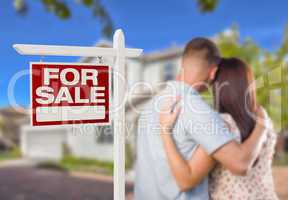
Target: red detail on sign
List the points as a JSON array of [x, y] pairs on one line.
[[69, 93]]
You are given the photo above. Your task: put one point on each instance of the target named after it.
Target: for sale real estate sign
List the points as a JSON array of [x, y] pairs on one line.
[[69, 93]]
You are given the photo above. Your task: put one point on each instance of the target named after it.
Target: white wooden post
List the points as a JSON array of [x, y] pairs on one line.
[[119, 117], [120, 53]]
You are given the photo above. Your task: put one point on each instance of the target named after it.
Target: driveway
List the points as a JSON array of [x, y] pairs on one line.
[[27, 183]]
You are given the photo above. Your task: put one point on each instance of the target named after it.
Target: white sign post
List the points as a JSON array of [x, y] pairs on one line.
[[120, 53]]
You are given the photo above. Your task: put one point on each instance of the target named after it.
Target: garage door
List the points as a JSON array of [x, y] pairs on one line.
[[43, 143]]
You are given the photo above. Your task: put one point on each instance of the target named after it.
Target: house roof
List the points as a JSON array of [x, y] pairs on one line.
[[13, 112], [167, 53], [100, 43], [171, 52], [14, 117]]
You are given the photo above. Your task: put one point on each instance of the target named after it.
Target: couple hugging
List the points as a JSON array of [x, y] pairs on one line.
[[188, 150]]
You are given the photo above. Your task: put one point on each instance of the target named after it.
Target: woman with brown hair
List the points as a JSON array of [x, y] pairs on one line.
[[235, 98]]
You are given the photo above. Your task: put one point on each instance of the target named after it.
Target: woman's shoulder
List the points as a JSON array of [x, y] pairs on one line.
[[226, 117], [267, 120], [231, 125], [268, 123]]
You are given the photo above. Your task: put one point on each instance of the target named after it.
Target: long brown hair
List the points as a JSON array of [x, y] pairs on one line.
[[234, 93]]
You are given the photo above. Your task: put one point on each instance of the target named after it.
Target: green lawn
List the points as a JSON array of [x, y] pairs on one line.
[[88, 165], [10, 155], [70, 163]]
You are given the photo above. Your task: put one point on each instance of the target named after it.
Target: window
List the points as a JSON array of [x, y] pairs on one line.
[[169, 72]]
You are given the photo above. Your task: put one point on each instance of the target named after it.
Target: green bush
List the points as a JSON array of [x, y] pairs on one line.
[[10, 155], [88, 165], [51, 165], [129, 159]]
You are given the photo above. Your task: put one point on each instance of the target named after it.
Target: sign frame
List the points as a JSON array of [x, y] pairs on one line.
[[78, 64], [120, 52]]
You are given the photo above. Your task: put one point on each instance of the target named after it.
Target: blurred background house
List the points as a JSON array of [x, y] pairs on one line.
[[240, 28], [144, 76], [11, 120]]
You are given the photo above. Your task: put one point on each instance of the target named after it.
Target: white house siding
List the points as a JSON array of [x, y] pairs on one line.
[[133, 72], [83, 143], [43, 143], [47, 143], [154, 71]]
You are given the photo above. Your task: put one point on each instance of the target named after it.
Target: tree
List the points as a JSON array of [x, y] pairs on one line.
[[61, 9], [206, 6], [269, 69]]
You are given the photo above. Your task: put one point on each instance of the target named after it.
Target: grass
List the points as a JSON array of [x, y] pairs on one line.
[[51, 165], [87, 165], [70, 163], [10, 155]]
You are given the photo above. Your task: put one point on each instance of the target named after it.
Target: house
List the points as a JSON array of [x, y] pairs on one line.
[[145, 77], [11, 119]]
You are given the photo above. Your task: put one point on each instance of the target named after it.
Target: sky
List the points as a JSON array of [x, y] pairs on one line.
[[150, 24]]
